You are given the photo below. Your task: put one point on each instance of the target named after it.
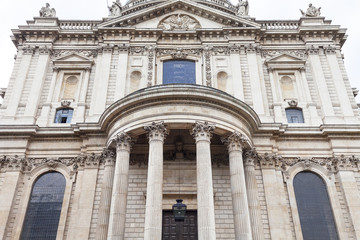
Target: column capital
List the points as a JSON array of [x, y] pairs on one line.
[[250, 157], [123, 141], [234, 141], [108, 157], [202, 131], [156, 131]]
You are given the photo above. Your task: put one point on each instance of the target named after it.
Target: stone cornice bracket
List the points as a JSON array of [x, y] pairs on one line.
[[202, 131], [312, 50], [234, 141], [123, 141], [250, 157], [156, 131]]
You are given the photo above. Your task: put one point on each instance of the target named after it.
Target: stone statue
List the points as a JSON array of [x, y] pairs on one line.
[[115, 9], [47, 12], [311, 11], [242, 8]]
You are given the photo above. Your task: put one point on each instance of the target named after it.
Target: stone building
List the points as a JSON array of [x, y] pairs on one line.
[[252, 123]]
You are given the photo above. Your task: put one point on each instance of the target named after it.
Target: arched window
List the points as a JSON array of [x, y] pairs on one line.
[[316, 216], [64, 115], [44, 208], [179, 71], [294, 115]]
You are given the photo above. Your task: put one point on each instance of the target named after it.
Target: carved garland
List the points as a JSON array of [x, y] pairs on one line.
[[17, 163]]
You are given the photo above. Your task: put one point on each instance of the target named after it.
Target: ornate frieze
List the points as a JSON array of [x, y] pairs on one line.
[[157, 130], [179, 53], [83, 52], [137, 50], [333, 164], [202, 130], [17, 163], [272, 53], [221, 50], [179, 22]]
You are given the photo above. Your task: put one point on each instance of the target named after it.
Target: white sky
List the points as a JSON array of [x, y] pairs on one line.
[[345, 13]]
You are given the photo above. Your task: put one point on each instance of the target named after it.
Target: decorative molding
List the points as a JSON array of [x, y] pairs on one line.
[[17, 163], [156, 131], [137, 50], [179, 53], [221, 50], [272, 53], [151, 59], [179, 22], [65, 103], [293, 103], [234, 49], [45, 50], [28, 50], [234, 141], [207, 55], [252, 48], [333, 164], [83, 52], [202, 130]]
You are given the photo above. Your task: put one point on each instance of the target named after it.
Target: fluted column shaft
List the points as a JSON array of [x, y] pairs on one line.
[[202, 133], [153, 213], [106, 190], [234, 143], [120, 188], [253, 198]]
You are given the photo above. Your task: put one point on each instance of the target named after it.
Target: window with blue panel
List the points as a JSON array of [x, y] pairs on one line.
[[64, 115], [294, 115], [315, 212], [44, 208], [179, 71]]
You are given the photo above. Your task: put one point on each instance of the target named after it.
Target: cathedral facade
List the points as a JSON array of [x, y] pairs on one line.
[[253, 124]]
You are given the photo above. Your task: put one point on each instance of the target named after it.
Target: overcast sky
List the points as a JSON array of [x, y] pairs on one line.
[[345, 13]]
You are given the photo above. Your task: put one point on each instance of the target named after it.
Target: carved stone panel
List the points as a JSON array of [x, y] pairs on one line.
[[179, 22]]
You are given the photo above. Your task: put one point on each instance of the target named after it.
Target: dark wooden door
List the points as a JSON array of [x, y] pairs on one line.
[[186, 230]]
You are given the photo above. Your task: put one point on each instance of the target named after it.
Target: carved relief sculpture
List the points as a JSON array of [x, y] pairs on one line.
[[47, 12], [179, 22], [311, 11]]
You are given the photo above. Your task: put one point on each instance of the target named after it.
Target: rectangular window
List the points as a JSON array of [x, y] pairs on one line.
[[179, 71]]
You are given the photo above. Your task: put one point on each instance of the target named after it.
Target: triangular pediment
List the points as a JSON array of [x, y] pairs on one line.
[[285, 57], [72, 57], [73, 61], [163, 9], [285, 61]]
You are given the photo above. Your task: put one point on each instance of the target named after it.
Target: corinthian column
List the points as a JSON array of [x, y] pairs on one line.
[[234, 144], [120, 187], [153, 214], [202, 133], [106, 189], [253, 198]]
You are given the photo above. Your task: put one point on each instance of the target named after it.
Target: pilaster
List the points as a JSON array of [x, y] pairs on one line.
[[122, 72]]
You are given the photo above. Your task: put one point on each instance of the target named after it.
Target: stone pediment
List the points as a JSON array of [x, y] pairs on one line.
[[172, 7], [73, 60], [285, 61]]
